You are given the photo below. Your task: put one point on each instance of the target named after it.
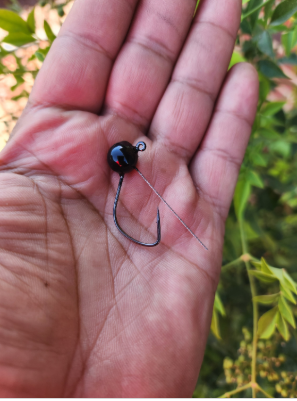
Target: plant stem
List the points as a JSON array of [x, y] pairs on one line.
[[233, 263], [246, 257], [264, 392], [254, 10], [255, 306], [236, 391]]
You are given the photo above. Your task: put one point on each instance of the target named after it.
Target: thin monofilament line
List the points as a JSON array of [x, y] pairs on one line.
[[163, 200]]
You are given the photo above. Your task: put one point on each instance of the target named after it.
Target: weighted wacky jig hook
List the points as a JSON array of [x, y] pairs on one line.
[[122, 158]]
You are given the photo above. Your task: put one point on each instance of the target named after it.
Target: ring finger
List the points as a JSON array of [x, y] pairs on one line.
[[186, 107]]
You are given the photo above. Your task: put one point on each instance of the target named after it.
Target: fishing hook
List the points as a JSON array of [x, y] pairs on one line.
[[122, 158]]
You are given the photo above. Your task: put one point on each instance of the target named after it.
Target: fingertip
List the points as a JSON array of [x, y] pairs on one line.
[[240, 92], [247, 70], [247, 75]]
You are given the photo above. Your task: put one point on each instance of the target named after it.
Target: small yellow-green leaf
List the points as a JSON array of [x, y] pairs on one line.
[[236, 58], [289, 282], [287, 294], [241, 196], [254, 179], [286, 311], [31, 20], [18, 39], [282, 148], [259, 160], [218, 305], [12, 22], [282, 327], [266, 299], [277, 273], [267, 323], [272, 108], [215, 328], [258, 265], [49, 33], [265, 267], [266, 278]]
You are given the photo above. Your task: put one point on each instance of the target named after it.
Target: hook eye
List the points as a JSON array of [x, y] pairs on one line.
[[140, 146]]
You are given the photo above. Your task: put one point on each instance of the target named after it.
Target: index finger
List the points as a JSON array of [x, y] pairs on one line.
[[76, 70]]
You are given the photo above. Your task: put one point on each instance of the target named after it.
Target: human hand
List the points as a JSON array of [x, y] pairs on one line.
[[84, 311]]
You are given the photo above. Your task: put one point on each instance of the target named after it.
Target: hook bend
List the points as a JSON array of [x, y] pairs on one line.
[[122, 231]]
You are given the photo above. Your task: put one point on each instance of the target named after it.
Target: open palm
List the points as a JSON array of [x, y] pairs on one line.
[[83, 310]]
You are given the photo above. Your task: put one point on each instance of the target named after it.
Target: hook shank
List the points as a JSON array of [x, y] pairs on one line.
[[122, 231]]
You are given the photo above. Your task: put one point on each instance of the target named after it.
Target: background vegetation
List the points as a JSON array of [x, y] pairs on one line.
[[252, 349]]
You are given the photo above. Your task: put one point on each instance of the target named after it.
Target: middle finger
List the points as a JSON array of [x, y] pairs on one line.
[[144, 65]]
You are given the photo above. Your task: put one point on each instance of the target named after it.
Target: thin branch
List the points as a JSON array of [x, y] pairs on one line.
[[233, 263], [264, 392], [236, 391], [254, 10], [255, 308]]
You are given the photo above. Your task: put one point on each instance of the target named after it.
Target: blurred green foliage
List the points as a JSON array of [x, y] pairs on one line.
[[252, 349], [253, 325]]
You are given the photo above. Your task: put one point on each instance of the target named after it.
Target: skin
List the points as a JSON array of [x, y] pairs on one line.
[[85, 312]]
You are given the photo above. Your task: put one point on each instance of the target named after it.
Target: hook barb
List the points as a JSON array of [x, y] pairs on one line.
[[122, 231]]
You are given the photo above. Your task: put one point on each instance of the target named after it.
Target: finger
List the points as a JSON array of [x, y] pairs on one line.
[[76, 70], [144, 66], [216, 165], [186, 107]]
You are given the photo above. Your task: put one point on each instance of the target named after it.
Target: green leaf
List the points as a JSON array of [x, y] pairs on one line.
[[266, 278], [236, 58], [272, 108], [252, 10], [282, 327], [283, 12], [31, 20], [268, 133], [218, 305], [258, 265], [265, 267], [245, 1], [60, 11], [18, 39], [49, 33], [264, 43], [241, 197], [266, 299], [42, 53], [282, 148], [268, 11], [289, 282], [40, 56], [215, 327], [270, 69], [287, 294], [12, 22], [254, 179], [277, 273], [267, 323], [286, 311], [259, 160], [264, 88]]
